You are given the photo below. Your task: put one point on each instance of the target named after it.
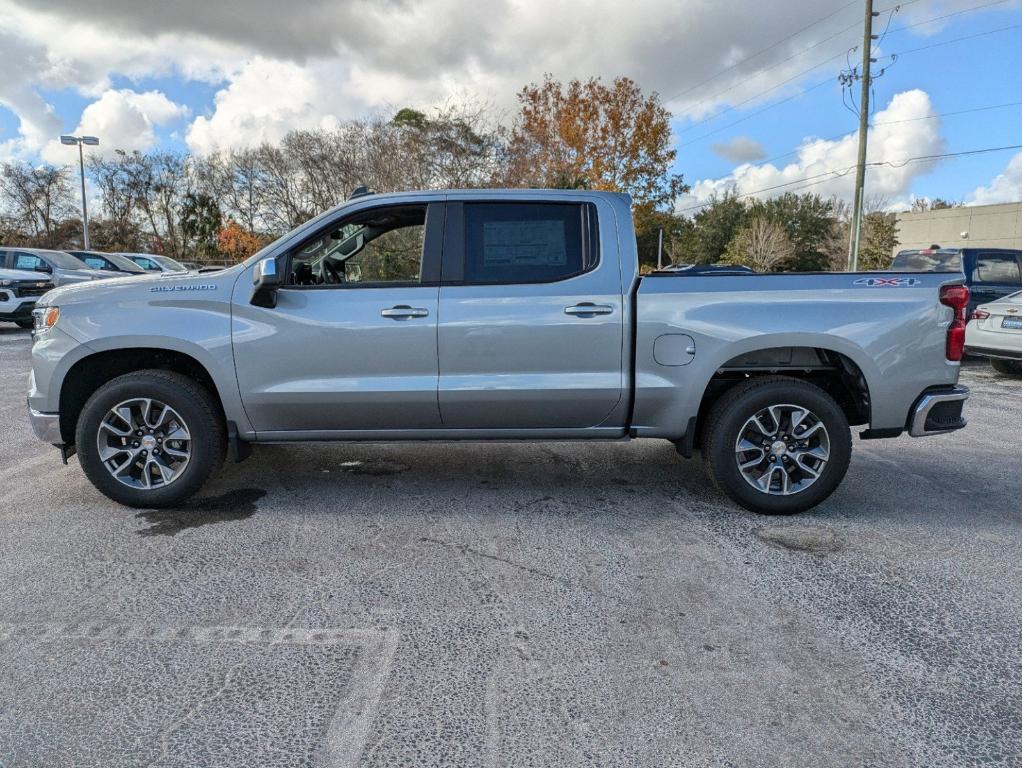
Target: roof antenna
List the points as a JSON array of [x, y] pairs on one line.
[[361, 191]]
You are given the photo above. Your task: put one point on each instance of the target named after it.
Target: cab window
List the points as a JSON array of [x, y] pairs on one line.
[[373, 248]]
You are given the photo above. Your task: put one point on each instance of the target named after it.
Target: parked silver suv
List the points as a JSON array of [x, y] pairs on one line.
[[62, 268]]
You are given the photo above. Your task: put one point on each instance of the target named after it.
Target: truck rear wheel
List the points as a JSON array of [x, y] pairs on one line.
[[150, 438], [777, 445]]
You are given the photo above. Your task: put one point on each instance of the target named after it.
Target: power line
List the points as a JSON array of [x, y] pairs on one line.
[[764, 50], [841, 135], [776, 65], [820, 84], [751, 115], [819, 178], [957, 40], [948, 15], [758, 95]]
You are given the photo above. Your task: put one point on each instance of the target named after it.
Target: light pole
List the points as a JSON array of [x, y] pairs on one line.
[[92, 141]]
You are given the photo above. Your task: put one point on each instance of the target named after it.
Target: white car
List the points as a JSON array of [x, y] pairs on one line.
[[19, 290], [995, 331]]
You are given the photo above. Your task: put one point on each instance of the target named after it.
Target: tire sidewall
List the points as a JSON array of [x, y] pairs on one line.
[[733, 418], [186, 402]]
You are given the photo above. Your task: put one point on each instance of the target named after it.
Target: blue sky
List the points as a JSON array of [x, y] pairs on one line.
[[194, 76]]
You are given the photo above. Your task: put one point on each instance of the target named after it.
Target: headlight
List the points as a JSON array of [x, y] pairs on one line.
[[45, 318], [6, 283]]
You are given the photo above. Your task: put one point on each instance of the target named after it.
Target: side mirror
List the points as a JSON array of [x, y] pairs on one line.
[[43, 268], [265, 281], [352, 273]]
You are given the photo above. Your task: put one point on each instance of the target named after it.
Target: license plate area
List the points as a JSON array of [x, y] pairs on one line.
[[1012, 323]]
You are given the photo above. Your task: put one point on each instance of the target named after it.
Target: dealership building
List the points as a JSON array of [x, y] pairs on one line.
[[980, 226]]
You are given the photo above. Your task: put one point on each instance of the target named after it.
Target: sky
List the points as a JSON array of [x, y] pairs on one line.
[[754, 87]]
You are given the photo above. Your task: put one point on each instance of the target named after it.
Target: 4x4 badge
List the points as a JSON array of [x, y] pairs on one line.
[[888, 282]]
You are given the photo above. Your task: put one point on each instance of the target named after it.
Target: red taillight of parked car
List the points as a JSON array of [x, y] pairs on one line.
[[980, 314], [956, 297]]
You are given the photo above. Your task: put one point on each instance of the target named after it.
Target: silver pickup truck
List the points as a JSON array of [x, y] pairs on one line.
[[491, 315]]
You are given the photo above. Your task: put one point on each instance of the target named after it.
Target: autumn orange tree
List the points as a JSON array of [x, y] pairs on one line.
[[596, 136], [236, 242]]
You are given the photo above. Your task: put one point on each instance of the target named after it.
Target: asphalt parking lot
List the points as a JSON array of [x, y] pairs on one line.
[[499, 605]]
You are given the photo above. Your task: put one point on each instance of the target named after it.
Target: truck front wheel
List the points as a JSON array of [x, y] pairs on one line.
[[150, 438], [776, 445]]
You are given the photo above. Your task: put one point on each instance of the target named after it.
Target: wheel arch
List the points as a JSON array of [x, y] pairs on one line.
[[834, 371], [89, 373]]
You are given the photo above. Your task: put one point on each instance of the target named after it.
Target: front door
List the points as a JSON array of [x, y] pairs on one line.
[[351, 344], [531, 317]]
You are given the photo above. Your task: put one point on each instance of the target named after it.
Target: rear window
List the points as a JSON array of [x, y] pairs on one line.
[[996, 268], [525, 242], [927, 261]]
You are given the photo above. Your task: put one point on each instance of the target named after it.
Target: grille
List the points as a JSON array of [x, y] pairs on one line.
[[33, 289]]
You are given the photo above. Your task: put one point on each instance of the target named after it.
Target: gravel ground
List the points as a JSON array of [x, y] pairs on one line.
[[527, 605]]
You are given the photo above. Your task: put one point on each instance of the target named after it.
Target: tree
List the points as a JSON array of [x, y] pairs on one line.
[[598, 136], [714, 227], [879, 240], [237, 243], [200, 222], [808, 221], [923, 204], [762, 245], [38, 200]]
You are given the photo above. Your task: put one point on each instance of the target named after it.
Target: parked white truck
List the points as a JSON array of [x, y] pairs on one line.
[[491, 315]]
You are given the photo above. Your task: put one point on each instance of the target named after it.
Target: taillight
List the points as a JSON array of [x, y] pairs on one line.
[[980, 314], [956, 297]]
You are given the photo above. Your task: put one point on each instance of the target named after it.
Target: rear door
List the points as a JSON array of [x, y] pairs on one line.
[[531, 316], [995, 274]]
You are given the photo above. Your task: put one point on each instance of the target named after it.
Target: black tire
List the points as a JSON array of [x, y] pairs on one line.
[[26, 324], [195, 405], [727, 417], [1007, 367]]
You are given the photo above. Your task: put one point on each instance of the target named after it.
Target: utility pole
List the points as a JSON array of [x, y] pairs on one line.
[[855, 233]]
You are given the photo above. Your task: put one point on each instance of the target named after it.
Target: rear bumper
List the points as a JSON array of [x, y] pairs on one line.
[[1004, 354], [46, 426], [938, 411]]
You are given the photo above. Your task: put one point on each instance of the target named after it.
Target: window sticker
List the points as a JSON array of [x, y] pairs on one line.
[[524, 243]]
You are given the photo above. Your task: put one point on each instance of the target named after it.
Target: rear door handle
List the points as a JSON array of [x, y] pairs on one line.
[[588, 309], [403, 312]]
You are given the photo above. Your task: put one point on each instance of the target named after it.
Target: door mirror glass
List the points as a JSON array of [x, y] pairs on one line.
[[352, 273], [265, 282]]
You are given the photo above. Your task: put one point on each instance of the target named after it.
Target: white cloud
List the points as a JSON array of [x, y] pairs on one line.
[[122, 119], [741, 149], [266, 98], [826, 166], [1005, 188]]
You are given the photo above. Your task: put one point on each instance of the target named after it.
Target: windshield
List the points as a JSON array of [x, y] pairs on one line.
[[168, 263], [64, 260], [927, 261], [110, 261]]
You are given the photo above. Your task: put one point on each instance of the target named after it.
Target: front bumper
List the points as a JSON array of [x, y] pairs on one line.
[[938, 411], [46, 426], [23, 311]]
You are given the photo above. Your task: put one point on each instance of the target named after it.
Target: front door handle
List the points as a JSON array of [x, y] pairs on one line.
[[403, 312], [588, 309]]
